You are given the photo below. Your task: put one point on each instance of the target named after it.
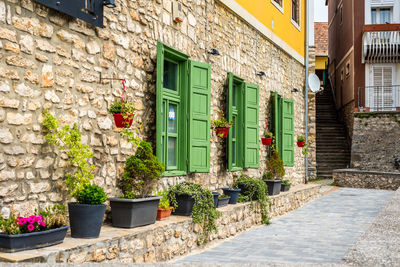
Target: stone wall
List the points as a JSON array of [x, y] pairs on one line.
[[52, 61], [348, 118], [366, 179], [312, 130], [164, 240], [376, 141]]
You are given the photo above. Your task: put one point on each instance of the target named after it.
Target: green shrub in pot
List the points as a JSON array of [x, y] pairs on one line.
[[85, 216]]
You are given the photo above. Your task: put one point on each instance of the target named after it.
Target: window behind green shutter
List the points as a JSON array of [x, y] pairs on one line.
[[251, 126], [199, 117], [277, 120], [287, 132], [229, 103]]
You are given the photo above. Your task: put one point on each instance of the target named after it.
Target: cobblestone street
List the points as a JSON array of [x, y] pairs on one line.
[[322, 231]]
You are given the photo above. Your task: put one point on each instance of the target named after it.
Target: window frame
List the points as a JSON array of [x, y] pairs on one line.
[[378, 14], [165, 95], [295, 23], [281, 8]]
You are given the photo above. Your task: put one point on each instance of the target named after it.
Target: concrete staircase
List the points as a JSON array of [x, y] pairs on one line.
[[333, 151]]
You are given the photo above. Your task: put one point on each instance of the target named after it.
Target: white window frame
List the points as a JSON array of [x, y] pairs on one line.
[[378, 13], [295, 24], [279, 7], [369, 80], [394, 5]]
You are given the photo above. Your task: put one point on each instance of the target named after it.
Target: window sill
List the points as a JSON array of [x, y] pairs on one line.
[[280, 8], [297, 26], [174, 173], [235, 169]]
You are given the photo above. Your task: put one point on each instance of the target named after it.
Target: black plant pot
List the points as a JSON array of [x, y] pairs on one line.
[[222, 202], [129, 213], [86, 220], [14, 243], [274, 186], [185, 205], [233, 193], [215, 195], [285, 188]]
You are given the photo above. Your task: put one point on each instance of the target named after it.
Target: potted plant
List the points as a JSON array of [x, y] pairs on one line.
[[233, 193], [87, 214], [164, 208], [223, 200], [221, 125], [215, 195], [36, 231], [267, 138], [137, 207], [191, 199], [254, 189], [123, 113], [285, 185], [275, 173], [301, 141]]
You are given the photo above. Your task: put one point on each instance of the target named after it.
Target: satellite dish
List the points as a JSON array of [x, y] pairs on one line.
[[314, 83]]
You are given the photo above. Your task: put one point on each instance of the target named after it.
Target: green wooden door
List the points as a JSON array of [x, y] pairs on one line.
[[251, 126], [199, 117], [287, 131]]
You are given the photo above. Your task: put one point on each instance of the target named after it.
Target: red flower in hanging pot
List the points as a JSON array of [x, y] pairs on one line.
[[123, 113], [267, 138], [301, 141], [122, 122], [222, 132], [221, 125]]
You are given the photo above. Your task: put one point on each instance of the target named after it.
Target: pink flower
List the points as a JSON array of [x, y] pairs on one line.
[[31, 227], [22, 221], [38, 218], [42, 223], [31, 220]]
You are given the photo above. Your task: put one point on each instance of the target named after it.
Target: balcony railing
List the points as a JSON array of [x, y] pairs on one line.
[[379, 98], [381, 43]]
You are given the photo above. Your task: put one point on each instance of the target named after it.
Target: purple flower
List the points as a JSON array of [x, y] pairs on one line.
[[31, 227]]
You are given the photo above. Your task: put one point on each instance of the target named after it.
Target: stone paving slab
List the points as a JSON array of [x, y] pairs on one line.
[[320, 232], [173, 265], [380, 244]]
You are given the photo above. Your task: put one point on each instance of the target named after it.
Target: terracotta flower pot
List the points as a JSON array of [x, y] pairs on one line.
[[120, 122], [266, 141], [301, 144], [222, 132], [163, 214]]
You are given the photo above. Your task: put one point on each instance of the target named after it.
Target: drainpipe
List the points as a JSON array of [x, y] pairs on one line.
[[307, 67]]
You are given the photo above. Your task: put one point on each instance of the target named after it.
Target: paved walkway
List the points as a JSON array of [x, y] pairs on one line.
[[322, 231]]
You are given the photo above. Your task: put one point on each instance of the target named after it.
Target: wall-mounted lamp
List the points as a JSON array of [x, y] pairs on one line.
[[295, 90], [214, 52], [109, 3], [261, 73]]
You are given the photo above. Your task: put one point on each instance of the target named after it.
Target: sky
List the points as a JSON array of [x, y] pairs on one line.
[[320, 11]]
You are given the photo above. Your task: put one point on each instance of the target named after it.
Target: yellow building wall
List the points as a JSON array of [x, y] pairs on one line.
[[264, 11], [321, 62]]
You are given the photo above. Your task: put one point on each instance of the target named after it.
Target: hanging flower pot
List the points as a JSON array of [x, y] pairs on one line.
[[301, 144], [301, 141], [221, 125], [266, 141], [222, 132], [121, 122], [122, 111]]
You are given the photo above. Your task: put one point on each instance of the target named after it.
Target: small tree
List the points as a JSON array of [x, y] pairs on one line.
[[142, 172], [275, 168]]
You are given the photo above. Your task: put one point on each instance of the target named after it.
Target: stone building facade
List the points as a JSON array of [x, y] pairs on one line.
[[52, 61]]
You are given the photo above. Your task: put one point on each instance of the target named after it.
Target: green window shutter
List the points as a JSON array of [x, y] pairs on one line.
[[199, 117], [229, 102], [251, 126], [287, 132], [159, 100]]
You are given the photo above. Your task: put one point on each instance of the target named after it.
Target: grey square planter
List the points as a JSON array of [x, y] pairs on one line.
[[222, 202], [85, 219], [274, 186], [14, 243], [129, 213]]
